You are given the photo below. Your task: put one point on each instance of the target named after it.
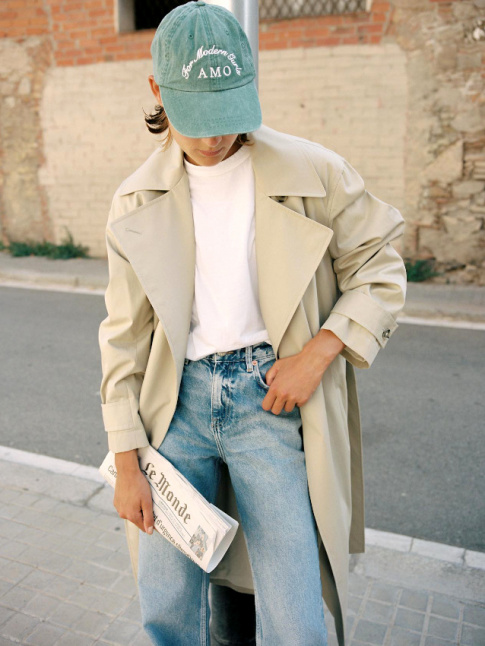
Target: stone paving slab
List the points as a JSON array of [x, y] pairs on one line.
[[65, 577]]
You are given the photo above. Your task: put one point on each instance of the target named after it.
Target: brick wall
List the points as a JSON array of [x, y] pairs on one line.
[[94, 137], [399, 91], [360, 28], [83, 32], [101, 138]]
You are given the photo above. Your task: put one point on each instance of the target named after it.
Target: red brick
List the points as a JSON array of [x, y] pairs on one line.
[[66, 62], [109, 40], [350, 40], [15, 4], [32, 22], [72, 51], [370, 29], [103, 32], [93, 4], [273, 45], [375, 40], [33, 31], [343, 31], [84, 60], [379, 17], [97, 12], [93, 51], [114, 48], [328, 42], [380, 6], [78, 34], [356, 17], [332, 20], [8, 15], [87, 43], [73, 7]]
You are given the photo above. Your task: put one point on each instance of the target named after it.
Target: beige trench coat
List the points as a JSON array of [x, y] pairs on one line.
[[323, 260]]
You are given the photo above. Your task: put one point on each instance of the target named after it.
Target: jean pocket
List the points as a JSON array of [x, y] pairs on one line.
[[261, 367]]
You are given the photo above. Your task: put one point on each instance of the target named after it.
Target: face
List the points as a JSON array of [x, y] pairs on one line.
[[206, 151]]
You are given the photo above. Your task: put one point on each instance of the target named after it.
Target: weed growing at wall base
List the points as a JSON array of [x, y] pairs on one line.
[[420, 270], [67, 249]]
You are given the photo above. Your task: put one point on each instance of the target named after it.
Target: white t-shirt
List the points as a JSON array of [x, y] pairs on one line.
[[225, 312]]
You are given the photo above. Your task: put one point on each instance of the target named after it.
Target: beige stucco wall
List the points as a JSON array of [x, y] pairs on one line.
[[351, 99]]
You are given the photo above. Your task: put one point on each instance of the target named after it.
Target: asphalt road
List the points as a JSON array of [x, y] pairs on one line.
[[422, 409]]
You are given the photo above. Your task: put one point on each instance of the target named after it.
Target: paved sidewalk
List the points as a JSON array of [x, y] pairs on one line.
[[65, 577], [429, 301]]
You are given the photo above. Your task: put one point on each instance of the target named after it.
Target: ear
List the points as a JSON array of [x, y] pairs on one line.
[[155, 89]]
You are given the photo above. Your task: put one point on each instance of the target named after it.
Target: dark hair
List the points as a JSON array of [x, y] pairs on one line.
[[157, 124]]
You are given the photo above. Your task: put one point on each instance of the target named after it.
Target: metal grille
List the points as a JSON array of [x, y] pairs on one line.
[[279, 9], [149, 13]]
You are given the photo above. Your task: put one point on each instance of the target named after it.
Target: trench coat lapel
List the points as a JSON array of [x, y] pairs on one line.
[[158, 240], [289, 247]]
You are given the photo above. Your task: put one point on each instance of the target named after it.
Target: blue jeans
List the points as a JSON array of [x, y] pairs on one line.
[[219, 418]]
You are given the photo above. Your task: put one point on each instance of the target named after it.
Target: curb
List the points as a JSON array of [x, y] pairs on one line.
[[412, 314], [450, 554]]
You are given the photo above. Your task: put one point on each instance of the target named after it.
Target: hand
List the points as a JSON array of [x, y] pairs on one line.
[[133, 498], [293, 380]]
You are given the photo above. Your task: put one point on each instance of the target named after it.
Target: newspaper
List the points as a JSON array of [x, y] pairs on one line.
[[182, 515]]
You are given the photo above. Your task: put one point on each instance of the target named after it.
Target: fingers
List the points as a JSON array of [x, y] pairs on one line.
[[276, 404], [147, 511], [133, 515], [133, 502], [137, 519]]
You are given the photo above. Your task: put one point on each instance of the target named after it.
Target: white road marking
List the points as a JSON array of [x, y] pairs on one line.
[[441, 322], [53, 287]]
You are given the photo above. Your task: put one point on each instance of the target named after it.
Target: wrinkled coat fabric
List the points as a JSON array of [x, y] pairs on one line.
[[324, 260]]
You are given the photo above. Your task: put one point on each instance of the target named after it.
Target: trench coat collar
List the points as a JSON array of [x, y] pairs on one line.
[[158, 236]]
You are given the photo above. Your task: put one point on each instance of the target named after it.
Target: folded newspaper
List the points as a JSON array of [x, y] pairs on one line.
[[182, 515]]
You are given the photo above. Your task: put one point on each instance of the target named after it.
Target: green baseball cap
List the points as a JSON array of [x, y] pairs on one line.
[[203, 64]]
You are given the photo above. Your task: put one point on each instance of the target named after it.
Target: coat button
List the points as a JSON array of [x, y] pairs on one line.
[[386, 334]]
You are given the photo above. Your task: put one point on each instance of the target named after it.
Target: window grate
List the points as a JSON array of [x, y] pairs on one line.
[[149, 13], [280, 9]]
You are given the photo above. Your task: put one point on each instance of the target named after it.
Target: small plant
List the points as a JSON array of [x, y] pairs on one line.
[[2, 246], [67, 249], [420, 270]]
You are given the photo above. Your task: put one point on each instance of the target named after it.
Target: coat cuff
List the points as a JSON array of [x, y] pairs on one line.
[[123, 424], [362, 325], [361, 347]]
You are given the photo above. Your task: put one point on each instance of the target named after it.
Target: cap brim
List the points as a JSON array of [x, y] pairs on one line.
[[212, 114]]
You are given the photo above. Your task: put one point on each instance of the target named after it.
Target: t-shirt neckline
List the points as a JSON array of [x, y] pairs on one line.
[[225, 166]]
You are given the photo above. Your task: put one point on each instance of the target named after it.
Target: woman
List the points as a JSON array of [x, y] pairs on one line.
[[248, 270]]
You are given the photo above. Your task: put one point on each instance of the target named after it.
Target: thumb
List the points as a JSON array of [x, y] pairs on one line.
[[147, 511], [271, 374]]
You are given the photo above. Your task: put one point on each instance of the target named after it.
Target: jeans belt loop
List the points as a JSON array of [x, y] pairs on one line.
[[249, 358]]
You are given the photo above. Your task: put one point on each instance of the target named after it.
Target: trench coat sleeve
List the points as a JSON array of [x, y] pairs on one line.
[[370, 273], [124, 340]]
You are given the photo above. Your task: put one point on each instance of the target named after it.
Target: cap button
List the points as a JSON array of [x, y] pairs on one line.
[[201, 4]]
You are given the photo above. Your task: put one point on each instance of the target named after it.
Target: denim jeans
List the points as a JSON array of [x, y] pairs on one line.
[[219, 418]]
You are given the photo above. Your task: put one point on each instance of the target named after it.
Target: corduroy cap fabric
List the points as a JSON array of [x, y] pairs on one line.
[[203, 64]]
